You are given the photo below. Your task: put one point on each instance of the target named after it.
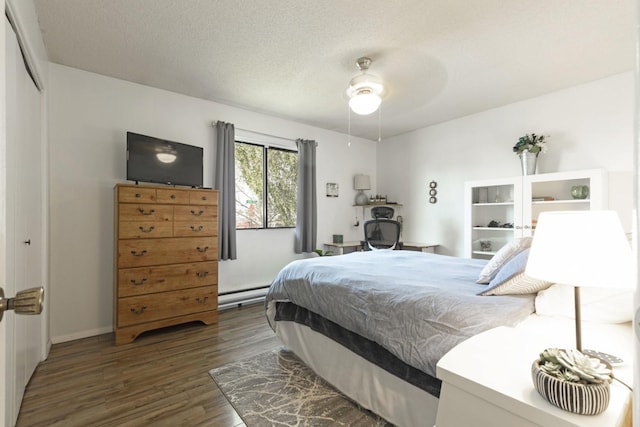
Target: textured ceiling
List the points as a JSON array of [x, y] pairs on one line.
[[440, 59]]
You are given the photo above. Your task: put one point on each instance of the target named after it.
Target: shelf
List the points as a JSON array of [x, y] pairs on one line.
[[483, 253], [377, 204], [494, 228], [561, 202], [494, 204]]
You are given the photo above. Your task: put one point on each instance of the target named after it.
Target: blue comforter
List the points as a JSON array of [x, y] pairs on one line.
[[416, 305]]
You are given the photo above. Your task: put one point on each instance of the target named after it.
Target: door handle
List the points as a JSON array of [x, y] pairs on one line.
[[28, 301]]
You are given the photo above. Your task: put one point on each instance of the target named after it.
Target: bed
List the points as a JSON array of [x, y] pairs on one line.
[[374, 324]]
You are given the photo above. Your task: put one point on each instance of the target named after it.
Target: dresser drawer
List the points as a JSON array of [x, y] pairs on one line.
[[147, 252], [144, 229], [189, 213], [203, 198], [136, 195], [164, 305], [145, 280], [195, 228], [172, 196], [138, 212]]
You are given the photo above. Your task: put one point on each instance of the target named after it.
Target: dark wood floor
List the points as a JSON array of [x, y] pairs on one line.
[[161, 379]]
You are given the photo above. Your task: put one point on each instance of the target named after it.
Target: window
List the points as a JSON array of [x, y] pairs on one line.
[[265, 174]]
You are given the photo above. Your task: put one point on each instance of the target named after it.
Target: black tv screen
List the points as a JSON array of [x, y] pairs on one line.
[[157, 160]]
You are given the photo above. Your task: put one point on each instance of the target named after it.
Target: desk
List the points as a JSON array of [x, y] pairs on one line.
[[343, 248], [348, 247], [478, 389], [420, 247]]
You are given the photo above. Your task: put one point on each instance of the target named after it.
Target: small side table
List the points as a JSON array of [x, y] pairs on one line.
[[420, 247], [342, 248]]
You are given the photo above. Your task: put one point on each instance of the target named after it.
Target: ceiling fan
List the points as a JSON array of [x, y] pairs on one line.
[[365, 89]]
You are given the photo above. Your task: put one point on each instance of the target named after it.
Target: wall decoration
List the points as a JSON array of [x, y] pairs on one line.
[[332, 189], [433, 192]]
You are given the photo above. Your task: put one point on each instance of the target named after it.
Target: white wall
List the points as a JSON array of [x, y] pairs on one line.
[[590, 126], [89, 117]]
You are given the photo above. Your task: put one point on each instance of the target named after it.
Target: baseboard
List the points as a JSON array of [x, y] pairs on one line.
[[82, 334]]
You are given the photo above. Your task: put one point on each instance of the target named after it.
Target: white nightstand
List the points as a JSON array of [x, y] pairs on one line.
[[486, 380]]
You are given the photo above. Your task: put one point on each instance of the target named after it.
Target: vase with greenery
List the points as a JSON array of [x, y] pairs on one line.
[[527, 148], [573, 381], [574, 366]]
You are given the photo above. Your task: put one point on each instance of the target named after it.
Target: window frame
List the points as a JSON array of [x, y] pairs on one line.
[[265, 176]]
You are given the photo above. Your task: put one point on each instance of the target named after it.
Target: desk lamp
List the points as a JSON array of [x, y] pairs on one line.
[[360, 183], [581, 249]]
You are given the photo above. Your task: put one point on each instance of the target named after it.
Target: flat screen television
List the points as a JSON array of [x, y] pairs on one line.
[[157, 160]]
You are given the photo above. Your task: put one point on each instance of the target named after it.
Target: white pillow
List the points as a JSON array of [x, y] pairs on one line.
[[597, 305], [511, 279], [501, 257]]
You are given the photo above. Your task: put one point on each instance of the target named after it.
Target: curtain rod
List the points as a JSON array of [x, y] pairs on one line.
[[213, 123]]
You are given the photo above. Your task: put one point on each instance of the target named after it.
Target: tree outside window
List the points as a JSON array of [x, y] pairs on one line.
[[265, 174]]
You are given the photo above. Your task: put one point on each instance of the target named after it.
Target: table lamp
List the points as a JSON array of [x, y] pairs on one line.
[[581, 249], [360, 183]]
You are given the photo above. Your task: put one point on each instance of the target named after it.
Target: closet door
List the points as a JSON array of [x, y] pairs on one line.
[[24, 244]]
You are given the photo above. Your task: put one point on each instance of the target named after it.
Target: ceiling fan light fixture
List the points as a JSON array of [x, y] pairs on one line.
[[364, 90], [364, 102], [365, 81]]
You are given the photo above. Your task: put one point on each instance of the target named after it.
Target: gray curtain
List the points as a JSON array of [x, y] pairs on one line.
[[225, 182], [306, 222]]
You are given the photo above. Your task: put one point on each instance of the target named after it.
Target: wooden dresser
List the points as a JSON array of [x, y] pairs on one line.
[[166, 258]]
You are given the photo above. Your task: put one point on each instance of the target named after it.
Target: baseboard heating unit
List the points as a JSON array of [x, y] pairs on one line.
[[243, 296]]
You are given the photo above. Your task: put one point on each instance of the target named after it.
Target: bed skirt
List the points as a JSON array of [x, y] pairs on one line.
[[367, 349], [363, 382], [371, 386]]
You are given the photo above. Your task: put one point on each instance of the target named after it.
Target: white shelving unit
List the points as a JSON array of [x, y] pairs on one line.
[[511, 203], [487, 201]]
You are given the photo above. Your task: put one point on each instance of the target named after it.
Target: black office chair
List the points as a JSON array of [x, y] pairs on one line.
[[382, 212], [381, 234]]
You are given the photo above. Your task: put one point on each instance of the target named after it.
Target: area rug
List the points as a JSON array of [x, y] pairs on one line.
[[276, 389]]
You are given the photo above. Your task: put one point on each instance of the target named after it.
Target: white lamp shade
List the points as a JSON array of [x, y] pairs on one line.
[[361, 182], [364, 103], [584, 248]]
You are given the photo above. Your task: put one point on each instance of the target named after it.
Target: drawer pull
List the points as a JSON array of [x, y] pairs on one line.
[[141, 253], [205, 249], [148, 230], [173, 196], [138, 195], [141, 282], [149, 212], [202, 300], [197, 214], [138, 311], [202, 274], [196, 229], [204, 197]]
